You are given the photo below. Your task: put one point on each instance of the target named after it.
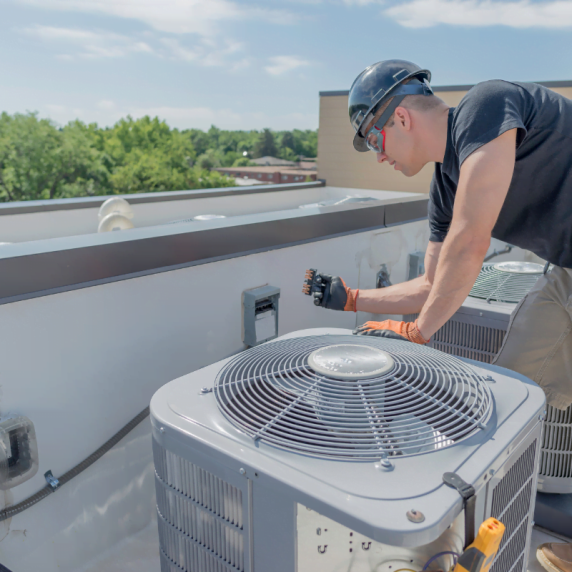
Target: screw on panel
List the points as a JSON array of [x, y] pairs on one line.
[[384, 464], [162, 429], [242, 471], [415, 516], [205, 390]]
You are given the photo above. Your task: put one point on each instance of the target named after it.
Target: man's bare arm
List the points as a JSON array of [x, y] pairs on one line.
[[483, 184], [407, 297]]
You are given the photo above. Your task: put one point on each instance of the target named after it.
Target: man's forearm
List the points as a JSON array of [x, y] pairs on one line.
[[458, 268], [405, 298]]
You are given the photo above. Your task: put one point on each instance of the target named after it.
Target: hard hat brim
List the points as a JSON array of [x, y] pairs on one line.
[[360, 143]]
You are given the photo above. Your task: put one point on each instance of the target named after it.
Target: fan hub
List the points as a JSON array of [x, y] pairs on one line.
[[519, 267], [351, 361]]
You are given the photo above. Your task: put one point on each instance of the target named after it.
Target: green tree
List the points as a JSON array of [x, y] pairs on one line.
[[265, 145], [209, 160], [287, 140], [146, 155], [39, 161], [242, 162], [199, 139]]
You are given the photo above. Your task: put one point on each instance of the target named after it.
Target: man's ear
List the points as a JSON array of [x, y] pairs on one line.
[[403, 118]]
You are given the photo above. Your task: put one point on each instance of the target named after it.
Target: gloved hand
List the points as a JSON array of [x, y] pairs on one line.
[[392, 329], [334, 295]]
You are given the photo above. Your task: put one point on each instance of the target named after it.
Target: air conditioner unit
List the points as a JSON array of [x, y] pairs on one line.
[[321, 451], [476, 331]]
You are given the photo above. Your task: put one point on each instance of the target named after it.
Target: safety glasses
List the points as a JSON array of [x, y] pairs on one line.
[[375, 139]]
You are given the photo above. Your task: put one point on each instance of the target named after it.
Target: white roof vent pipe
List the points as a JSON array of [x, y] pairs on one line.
[[114, 221], [115, 205], [115, 214]]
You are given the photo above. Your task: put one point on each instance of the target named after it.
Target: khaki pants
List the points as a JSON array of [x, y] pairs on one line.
[[538, 343]]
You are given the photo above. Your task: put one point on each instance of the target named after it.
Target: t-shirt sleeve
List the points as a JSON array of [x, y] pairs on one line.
[[487, 111], [440, 208]]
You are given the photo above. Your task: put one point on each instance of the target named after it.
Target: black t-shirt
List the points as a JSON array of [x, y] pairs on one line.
[[537, 212]]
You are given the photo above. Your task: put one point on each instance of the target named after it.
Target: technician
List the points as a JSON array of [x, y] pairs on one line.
[[503, 169]]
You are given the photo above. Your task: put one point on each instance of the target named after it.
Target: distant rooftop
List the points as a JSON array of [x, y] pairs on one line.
[[290, 170], [273, 162]]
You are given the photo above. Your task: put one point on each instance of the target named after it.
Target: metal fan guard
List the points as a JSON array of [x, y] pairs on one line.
[[502, 285], [428, 401]]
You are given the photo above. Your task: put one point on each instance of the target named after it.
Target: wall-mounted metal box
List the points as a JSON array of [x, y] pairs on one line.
[[260, 314], [18, 451]]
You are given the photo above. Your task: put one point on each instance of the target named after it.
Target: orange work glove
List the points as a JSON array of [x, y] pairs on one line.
[[392, 329]]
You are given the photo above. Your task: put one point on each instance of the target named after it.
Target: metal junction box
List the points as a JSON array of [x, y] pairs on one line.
[[260, 314]]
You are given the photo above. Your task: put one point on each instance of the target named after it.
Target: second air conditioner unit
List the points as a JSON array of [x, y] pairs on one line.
[[477, 330], [324, 451]]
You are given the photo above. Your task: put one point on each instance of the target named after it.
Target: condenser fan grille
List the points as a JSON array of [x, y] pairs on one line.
[[426, 401], [506, 281]]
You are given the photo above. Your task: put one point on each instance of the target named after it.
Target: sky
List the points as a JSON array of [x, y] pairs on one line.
[[242, 64]]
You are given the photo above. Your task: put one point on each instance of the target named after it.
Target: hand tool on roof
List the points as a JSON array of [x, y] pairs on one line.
[[479, 555], [329, 291]]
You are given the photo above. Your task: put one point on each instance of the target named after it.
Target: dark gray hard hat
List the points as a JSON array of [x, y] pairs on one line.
[[378, 83]]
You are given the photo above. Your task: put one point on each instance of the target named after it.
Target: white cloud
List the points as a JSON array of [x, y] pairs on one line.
[[62, 113], [173, 16], [516, 13], [87, 43], [282, 64], [241, 64], [207, 52], [56, 109], [101, 44], [106, 104]]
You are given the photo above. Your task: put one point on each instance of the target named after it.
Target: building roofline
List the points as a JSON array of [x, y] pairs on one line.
[[563, 83], [47, 205]]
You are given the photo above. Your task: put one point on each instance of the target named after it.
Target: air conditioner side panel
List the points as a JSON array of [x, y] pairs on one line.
[[204, 511], [273, 530], [510, 497]]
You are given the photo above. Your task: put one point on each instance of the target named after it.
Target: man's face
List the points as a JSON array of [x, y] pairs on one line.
[[399, 144]]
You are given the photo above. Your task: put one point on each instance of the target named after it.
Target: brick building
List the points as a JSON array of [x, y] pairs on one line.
[[274, 174]]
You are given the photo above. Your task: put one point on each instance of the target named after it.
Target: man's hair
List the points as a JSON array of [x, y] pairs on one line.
[[417, 102]]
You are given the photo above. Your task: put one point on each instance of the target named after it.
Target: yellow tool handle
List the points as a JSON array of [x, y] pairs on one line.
[[479, 556]]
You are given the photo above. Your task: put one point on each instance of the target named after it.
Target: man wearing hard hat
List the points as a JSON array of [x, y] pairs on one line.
[[503, 169]]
